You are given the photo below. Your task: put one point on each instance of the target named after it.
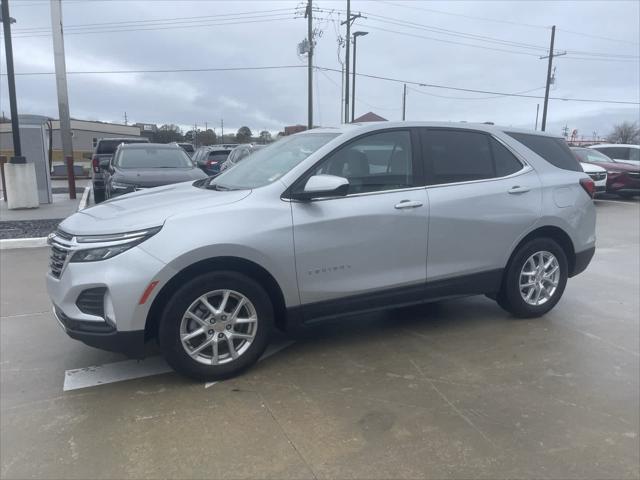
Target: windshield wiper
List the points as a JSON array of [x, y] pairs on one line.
[[218, 187]]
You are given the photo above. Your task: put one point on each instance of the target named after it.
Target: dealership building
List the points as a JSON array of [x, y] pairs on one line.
[[84, 133]]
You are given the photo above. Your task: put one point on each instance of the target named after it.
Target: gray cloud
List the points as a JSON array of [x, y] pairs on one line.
[[272, 98]]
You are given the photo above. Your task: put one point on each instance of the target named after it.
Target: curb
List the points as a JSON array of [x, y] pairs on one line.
[[38, 242]]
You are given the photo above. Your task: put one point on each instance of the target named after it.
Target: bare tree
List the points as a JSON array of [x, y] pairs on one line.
[[625, 132]]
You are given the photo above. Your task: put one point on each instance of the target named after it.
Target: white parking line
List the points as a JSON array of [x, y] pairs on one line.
[[83, 201], [113, 372], [131, 369]]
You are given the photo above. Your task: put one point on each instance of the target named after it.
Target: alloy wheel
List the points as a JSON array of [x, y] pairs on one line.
[[539, 278], [218, 327]]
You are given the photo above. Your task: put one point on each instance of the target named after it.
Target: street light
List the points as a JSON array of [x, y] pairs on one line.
[[7, 20], [353, 84]]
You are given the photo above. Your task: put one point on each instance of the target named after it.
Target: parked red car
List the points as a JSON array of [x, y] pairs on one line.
[[622, 178]]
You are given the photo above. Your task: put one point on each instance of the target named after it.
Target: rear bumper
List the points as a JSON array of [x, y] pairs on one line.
[[130, 343], [582, 261]]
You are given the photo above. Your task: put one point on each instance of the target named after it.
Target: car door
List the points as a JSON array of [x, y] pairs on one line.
[[481, 200], [369, 246]]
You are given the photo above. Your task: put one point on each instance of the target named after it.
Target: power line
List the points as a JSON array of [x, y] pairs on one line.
[[509, 22], [216, 24], [476, 98], [326, 69], [488, 92], [476, 37], [167, 70], [156, 20]]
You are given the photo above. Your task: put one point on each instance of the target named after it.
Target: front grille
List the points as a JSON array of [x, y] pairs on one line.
[[598, 176], [60, 248], [91, 301]]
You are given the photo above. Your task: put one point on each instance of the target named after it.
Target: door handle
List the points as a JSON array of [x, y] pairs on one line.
[[408, 204], [518, 189]]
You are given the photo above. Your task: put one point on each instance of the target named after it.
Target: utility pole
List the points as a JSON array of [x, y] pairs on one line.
[[125, 119], [404, 102], [549, 69], [222, 130], [309, 16], [63, 95], [353, 85], [537, 111], [348, 22], [342, 96], [13, 104]]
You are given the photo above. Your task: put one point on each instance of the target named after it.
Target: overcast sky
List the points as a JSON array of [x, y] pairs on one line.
[[490, 46]]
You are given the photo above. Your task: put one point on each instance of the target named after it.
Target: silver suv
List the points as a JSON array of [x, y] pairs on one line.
[[321, 224]]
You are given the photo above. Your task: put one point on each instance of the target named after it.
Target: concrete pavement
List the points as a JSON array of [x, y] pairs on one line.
[[451, 390]]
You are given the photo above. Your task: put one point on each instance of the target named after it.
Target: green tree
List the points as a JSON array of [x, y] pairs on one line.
[[244, 135], [207, 137], [168, 133], [625, 132], [265, 137]]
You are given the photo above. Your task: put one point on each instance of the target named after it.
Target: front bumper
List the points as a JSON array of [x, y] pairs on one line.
[[130, 343], [623, 182], [119, 325]]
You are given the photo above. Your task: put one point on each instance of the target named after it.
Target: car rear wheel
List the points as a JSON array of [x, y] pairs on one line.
[[216, 325], [535, 279]]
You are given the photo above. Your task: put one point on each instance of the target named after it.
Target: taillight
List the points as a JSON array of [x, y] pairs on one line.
[[589, 186], [212, 162], [95, 163]]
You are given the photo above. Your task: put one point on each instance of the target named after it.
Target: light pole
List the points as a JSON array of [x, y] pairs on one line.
[[15, 129], [353, 84]]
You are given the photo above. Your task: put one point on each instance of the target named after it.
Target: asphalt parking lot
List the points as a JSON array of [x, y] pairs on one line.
[[455, 389]]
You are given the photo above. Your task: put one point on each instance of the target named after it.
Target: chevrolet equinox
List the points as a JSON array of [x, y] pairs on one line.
[[317, 225]]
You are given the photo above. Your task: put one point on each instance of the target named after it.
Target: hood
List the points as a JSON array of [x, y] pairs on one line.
[[621, 167], [591, 168], [146, 208], [154, 177]]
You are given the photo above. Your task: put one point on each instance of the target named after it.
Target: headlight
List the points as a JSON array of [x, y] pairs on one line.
[[122, 186], [107, 246]]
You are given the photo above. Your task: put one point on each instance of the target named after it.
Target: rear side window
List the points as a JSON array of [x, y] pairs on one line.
[[553, 150], [457, 156]]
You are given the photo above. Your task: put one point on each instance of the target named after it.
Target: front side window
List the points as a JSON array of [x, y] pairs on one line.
[[380, 161], [271, 163], [617, 153], [457, 156], [152, 158]]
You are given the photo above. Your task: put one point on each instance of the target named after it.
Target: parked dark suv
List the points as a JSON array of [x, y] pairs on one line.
[[105, 148]]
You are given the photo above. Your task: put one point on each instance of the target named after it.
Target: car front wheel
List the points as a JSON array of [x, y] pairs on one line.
[[535, 279], [216, 325]]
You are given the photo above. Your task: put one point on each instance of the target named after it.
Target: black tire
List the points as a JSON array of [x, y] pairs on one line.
[[509, 297], [98, 196], [169, 331]]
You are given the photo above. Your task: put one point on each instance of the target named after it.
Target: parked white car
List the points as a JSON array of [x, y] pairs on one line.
[[620, 152], [597, 174]]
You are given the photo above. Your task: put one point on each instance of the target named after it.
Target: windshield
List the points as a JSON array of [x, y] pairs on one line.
[[270, 163], [591, 155], [109, 146], [153, 158]]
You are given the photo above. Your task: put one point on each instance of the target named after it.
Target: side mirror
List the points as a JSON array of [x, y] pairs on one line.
[[104, 163], [323, 186]]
